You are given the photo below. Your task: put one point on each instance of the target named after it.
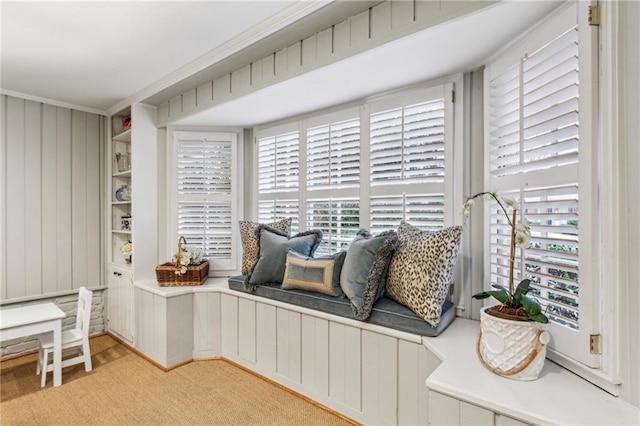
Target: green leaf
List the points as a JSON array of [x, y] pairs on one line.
[[501, 296], [523, 288], [540, 318]]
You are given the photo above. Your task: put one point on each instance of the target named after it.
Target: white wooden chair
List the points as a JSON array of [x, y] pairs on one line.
[[77, 339]]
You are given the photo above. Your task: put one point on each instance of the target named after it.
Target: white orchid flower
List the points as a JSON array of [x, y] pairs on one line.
[[522, 239], [510, 202]]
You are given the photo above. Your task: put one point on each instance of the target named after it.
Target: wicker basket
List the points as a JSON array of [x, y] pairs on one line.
[[195, 275]]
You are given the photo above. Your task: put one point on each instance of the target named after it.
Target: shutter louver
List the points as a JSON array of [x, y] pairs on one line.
[[273, 210], [333, 155], [278, 159], [407, 144], [546, 104], [339, 221], [422, 211]]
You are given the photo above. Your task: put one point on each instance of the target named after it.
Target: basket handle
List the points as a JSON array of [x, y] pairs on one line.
[[180, 241]]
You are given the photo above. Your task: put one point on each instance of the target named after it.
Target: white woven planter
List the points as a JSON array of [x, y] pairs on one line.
[[513, 349]]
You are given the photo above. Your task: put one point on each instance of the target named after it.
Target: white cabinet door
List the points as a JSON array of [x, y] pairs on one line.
[[120, 281]]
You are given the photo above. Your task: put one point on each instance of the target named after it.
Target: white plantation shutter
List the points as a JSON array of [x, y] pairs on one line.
[[270, 211], [339, 221], [333, 155], [278, 163], [206, 195], [423, 211], [535, 135], [390, 155], [407, 144]]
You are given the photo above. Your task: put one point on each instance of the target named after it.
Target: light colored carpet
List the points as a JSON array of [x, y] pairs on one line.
[[125, 389]]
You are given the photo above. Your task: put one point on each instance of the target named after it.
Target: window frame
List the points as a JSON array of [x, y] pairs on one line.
[[237, 194], [588, 177]]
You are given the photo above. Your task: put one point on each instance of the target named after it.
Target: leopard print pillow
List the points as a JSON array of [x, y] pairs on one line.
[[422, 268], [249, 240]]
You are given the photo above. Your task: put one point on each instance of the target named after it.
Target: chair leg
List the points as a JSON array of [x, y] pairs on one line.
[[86, 352], [39, 363], [45, 362]]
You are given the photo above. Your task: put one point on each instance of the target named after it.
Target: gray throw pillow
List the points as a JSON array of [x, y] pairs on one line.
[[250, 240], [272, 254], [319, 274], [422, 268], [364, 270]]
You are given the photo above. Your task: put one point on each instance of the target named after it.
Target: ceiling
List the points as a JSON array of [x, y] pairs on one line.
[[98, 54], [95, 54]]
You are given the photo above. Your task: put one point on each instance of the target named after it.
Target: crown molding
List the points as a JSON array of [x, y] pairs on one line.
[[291, 14], [52, 102]]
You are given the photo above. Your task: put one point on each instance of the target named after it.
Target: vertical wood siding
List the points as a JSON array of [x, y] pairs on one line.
[[51, 195]]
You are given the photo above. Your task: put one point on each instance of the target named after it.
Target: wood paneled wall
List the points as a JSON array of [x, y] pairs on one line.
[[51, 166]]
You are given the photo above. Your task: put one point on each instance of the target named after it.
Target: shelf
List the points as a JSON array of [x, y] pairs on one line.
[[126, 173], [123, 137], [120, 231], [120, 203], [122, 265]]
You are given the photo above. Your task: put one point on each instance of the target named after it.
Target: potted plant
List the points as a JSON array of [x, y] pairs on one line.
[[512, 336]]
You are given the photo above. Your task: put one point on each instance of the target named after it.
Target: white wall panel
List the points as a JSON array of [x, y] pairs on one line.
[[247, 329], [241, 80], [50, 197], [15, 189], [49, 173], [401, 13], [189, 101], [473, 415], [344, 359], [63, 206], [414, 366], [281, 62], [289, 344], [380, 377], [294, 57], [256, 73], [381, 20], [342, 37], [360, 28], [204, 94], [175, 106], [443, 410], [229, 319], [179, 329], [266, 338], [33, 198], [222, 87], [163, 111], [268, 68], [79, 198], [206, 325], [324, 45], [315, 354], [309, 50], [427, 11]]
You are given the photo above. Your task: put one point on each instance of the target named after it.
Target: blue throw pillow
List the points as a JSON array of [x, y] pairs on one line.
[[272, 254], [319, 274], [364, 271]]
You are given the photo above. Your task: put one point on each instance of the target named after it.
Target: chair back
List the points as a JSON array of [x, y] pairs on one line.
[[83, 316]]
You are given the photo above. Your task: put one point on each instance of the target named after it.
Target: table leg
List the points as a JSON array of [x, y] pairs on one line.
[[57, 354]]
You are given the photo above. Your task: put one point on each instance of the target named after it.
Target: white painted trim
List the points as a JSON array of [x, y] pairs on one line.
[[52, 102], [291, 14]]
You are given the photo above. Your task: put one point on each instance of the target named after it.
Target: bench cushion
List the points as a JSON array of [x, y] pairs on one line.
[[386, 312]]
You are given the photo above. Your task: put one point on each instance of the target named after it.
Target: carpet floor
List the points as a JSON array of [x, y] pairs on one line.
[[125, 389]]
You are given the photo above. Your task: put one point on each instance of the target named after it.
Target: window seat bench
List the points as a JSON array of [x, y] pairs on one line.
[[386, 312], [366, 372]]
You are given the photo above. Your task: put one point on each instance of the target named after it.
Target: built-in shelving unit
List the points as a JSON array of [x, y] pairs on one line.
[[121, 224]]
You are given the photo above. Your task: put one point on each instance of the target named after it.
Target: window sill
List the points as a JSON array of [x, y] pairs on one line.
[[557, 397]]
